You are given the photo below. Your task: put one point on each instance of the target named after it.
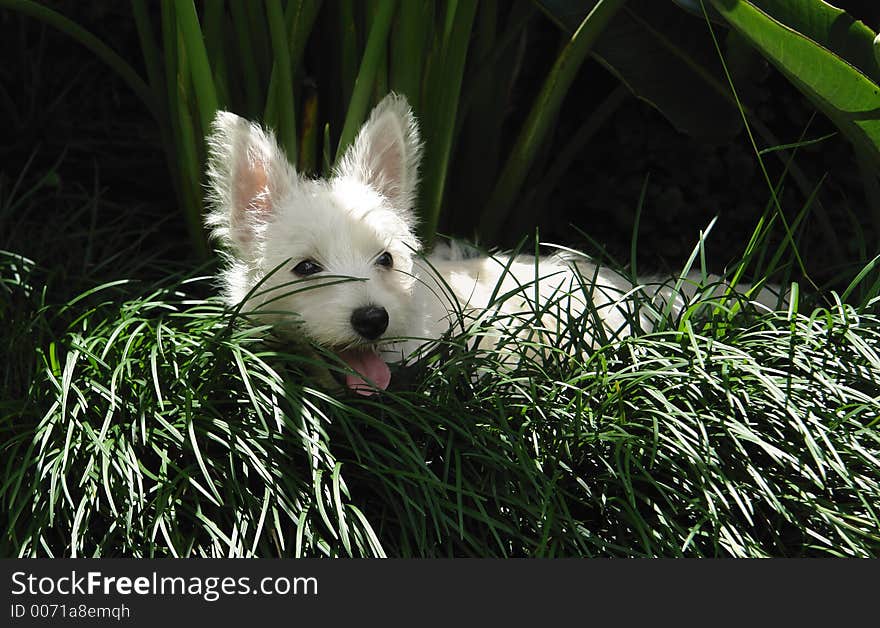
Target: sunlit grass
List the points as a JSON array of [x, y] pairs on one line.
[[158, 426]]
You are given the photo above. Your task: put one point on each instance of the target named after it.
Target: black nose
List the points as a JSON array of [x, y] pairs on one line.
[[370, 321]]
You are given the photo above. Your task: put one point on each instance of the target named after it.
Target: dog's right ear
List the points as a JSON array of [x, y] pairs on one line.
[[248, 175], [386, 153]]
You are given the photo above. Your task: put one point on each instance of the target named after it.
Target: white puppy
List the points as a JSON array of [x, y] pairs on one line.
[[336, 261]]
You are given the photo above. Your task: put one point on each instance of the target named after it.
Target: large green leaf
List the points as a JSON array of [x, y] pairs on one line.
[[846, 94], [665, 57], [833, 28]]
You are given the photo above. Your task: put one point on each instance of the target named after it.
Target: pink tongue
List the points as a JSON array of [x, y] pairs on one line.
[[370, 367]]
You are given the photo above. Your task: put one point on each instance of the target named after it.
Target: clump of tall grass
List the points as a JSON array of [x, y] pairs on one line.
[[158, 426]]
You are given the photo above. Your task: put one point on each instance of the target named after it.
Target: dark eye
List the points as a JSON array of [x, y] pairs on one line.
[[385, 260], [307, 267]]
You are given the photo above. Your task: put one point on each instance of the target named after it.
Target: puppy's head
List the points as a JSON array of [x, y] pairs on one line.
[[330, 260]]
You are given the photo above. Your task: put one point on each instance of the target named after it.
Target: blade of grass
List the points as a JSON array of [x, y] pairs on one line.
[[205, 95], [215, 44], [408, 45], [301, 22], [363, 85], [442, 95], [247, 58], [177, 86], [542, 114], [284, 87], [348, 49]]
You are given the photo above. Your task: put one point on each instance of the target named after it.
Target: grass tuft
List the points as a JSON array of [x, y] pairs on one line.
[[157, 426]]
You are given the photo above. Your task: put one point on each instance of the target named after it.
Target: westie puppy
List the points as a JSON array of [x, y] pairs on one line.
[[337, 262]]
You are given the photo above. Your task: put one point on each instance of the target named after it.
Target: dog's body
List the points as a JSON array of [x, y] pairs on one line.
[[336, 261], [536, 293]]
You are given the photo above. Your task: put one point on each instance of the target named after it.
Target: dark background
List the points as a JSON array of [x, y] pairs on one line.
[[72, 131]]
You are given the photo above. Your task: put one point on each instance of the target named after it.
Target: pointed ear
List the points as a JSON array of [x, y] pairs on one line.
[[386, 153], [248, 174]]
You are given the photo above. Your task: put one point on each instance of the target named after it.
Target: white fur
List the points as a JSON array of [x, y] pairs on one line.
[[269, 218]]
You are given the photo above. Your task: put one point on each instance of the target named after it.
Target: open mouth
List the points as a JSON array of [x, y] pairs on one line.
[[371, 372]]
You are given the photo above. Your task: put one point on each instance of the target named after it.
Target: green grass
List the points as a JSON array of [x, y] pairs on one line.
[[152, 424]]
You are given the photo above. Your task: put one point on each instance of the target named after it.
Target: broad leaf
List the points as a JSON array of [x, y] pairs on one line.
[[842, 91], [833, 28]]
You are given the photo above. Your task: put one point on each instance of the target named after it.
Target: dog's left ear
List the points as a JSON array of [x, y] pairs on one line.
[[248, 174], [386, 153]]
